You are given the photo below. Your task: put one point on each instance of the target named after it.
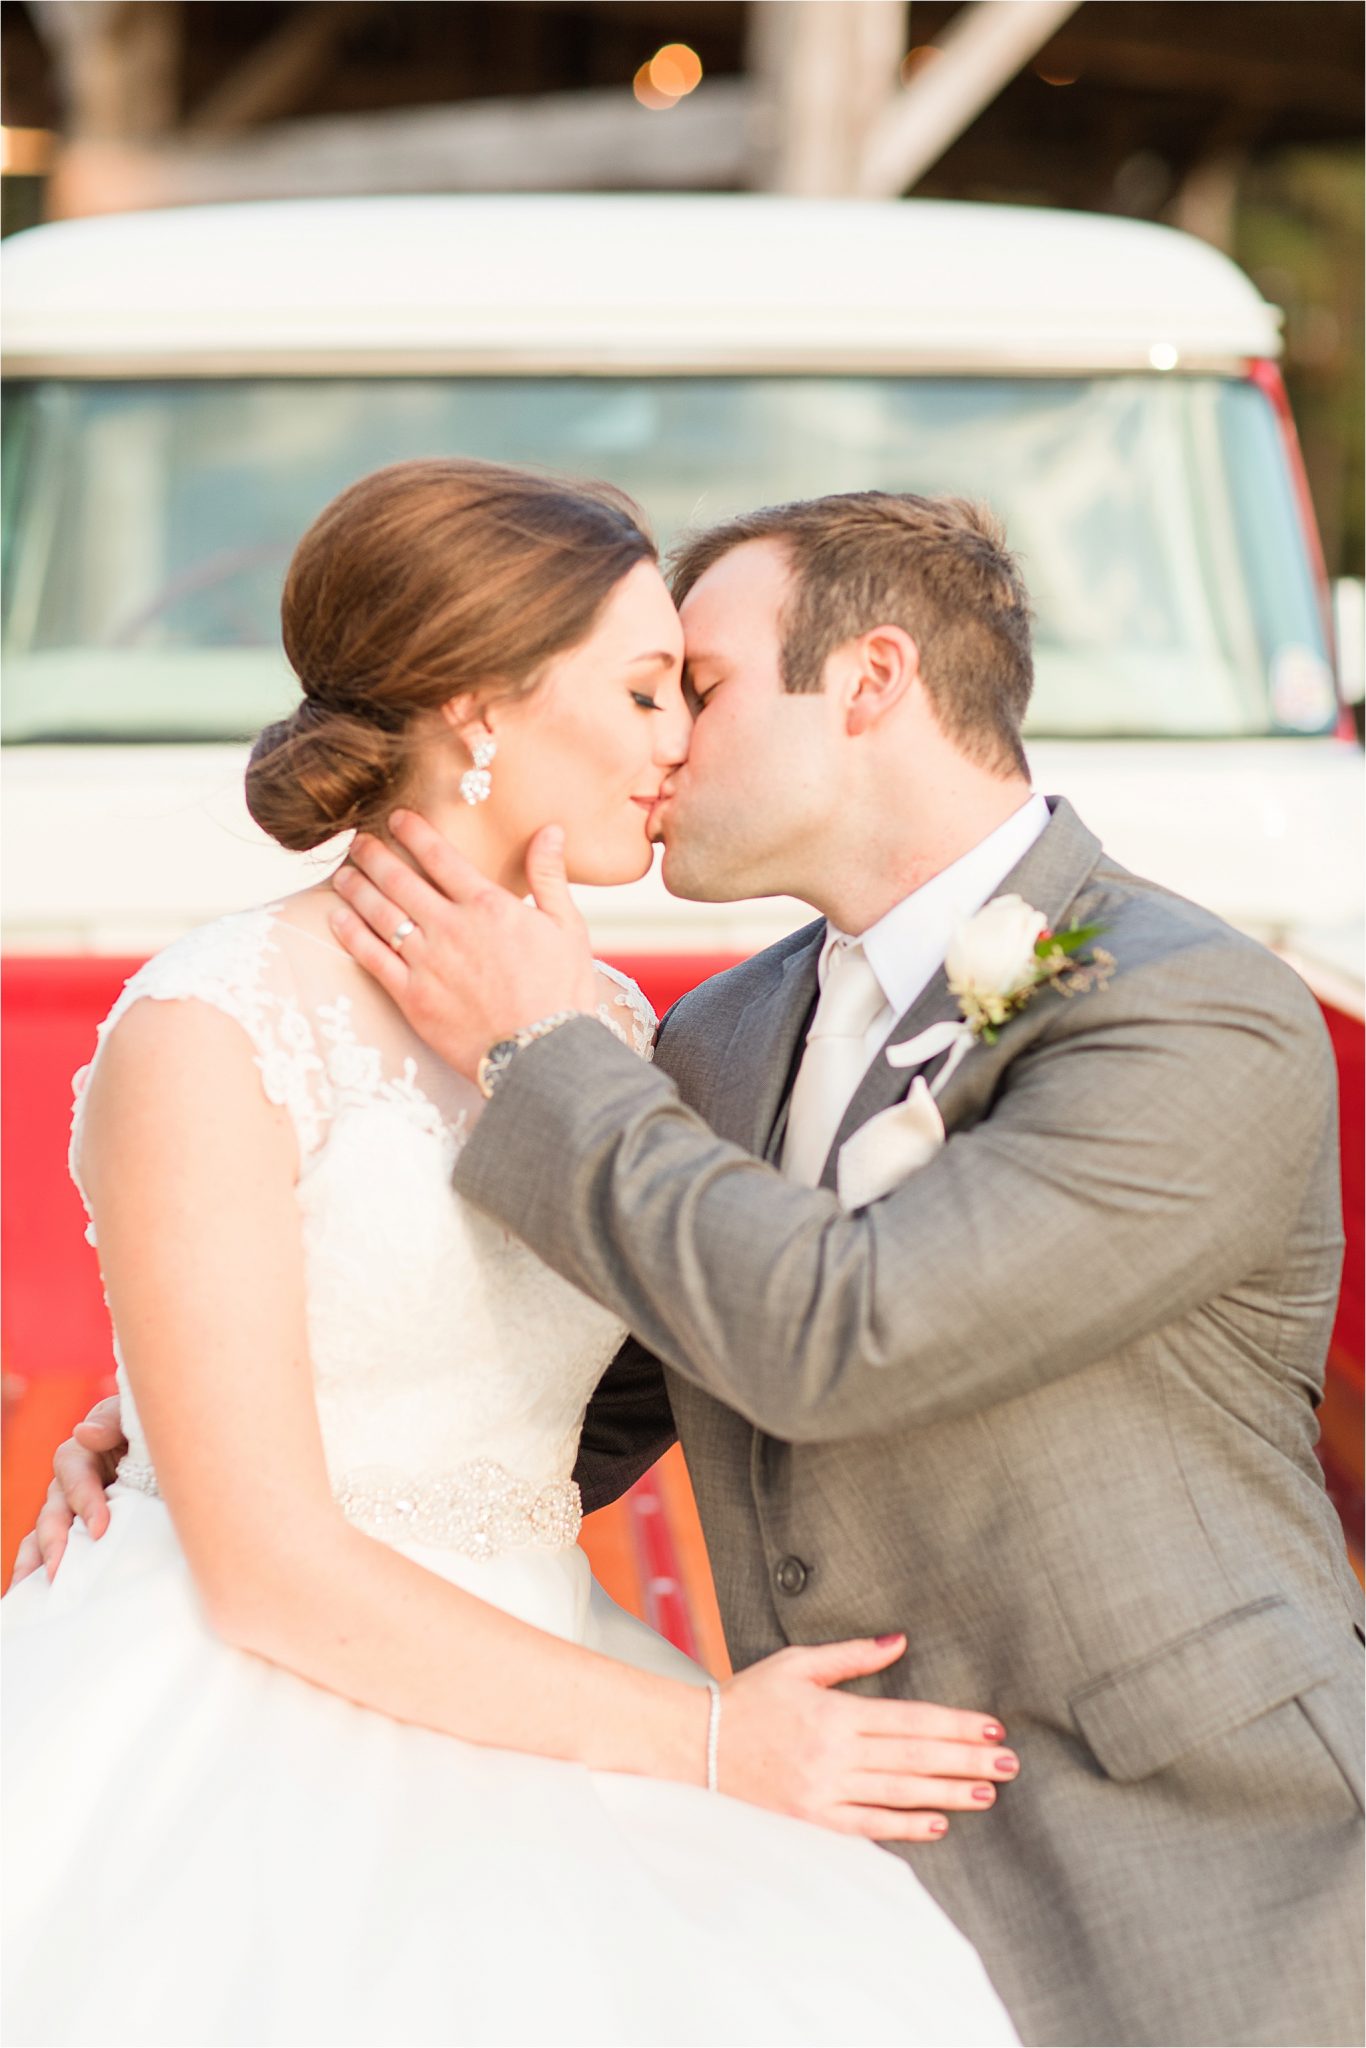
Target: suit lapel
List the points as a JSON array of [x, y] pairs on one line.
[[763, 1048], [1050, 876]]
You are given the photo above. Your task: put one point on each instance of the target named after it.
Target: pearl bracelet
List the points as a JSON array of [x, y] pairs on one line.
[[713, 1732]]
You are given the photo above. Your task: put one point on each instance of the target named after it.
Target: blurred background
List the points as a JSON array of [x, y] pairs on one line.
[[1177, 451], [1239, 120]]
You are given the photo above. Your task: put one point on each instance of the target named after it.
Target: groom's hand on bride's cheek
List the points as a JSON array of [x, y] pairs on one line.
[[467, 962]]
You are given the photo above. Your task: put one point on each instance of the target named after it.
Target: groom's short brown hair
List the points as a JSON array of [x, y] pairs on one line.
[[937, 567]]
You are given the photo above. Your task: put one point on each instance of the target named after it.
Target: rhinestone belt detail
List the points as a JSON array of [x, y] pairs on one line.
[[480, 1509]]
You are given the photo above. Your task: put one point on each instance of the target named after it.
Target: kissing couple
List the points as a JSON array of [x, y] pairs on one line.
[[980, 1241]]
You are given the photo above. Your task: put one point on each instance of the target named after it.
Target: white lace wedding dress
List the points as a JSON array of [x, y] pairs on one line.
[[204, 1848]]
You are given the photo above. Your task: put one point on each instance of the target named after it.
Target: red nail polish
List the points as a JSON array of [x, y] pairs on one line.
[[882, 1641], [939, 1827], [1007, 1764], [983, 1794], [993, 1732]]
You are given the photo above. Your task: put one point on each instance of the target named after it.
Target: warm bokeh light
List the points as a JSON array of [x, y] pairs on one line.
[[675, 70], [649, 94], [1052, 75], [916, 60]]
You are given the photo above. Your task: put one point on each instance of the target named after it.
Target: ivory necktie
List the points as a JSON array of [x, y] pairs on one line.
[[834, 1061]]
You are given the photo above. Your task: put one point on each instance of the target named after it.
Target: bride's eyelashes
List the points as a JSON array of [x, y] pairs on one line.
[[645, 701]]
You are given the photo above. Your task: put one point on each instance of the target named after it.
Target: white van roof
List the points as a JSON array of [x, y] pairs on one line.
[[604, 284]]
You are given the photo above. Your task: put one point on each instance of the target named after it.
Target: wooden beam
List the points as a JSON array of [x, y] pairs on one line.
[[117, 62], [585, 141], [824, 70], [272, 78], [981, 50], [1231, 73], [1206, 201]]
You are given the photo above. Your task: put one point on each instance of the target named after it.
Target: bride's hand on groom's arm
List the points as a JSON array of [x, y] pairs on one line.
[[82, 1468], [890, 1770]]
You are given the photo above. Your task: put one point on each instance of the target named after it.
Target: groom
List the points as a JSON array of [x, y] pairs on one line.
[[996, 1312], [1041, 1395]]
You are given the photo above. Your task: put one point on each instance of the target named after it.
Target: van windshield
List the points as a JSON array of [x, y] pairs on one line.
[[147, 525]]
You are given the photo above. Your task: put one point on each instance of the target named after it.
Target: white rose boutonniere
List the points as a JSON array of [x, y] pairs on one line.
[[992, 957], [996, 965], [1002, 957]]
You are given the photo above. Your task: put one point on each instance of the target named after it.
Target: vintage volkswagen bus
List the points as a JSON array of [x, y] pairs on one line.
[[184, 390]]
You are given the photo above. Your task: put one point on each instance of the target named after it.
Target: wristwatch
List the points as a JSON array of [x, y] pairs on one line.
[[499, 1057]]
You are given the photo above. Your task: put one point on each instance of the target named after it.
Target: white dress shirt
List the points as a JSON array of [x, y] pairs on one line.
[[906, 947]]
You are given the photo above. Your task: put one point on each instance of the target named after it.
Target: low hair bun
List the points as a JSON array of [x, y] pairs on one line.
[[320, 772], [427, 581]]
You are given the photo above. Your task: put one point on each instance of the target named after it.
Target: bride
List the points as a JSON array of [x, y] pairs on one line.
[[331, 1737]]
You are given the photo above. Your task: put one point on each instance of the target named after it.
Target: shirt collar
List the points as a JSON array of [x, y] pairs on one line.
[[907, 945]]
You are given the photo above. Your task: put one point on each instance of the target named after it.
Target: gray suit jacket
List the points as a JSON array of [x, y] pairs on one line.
[[1048, 1407]]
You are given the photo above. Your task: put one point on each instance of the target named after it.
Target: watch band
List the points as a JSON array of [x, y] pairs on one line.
[[499, 1057]]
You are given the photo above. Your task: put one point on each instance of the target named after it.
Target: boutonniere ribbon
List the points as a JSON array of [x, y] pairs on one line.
[[957, 1040]]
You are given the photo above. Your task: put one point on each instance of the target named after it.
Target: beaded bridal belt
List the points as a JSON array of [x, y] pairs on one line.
[[480, 1509]]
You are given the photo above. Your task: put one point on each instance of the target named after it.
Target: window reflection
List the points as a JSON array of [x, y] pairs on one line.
[[148, 525]]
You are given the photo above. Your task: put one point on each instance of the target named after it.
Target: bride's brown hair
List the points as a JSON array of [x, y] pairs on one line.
[[425, 581]]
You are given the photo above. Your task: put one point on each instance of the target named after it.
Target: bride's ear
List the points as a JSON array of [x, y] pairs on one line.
[[467, 719], [458, 712]]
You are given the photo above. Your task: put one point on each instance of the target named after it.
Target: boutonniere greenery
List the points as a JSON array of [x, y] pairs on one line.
[[1001, 958]]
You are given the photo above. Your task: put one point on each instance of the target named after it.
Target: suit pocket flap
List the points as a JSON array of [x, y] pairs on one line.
[[1223, 1674]]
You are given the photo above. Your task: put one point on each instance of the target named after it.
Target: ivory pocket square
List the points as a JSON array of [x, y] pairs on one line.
[[889, 1147]]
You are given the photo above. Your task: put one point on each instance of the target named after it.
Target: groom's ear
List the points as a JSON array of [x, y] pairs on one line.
[[884, 668]]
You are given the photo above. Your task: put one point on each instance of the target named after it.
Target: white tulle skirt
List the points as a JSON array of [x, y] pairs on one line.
[[203, 1848]]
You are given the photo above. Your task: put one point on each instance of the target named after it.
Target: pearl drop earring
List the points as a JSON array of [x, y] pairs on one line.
[[476, 784]]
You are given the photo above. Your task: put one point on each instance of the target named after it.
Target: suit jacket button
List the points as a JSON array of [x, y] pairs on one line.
[[791, 1575]]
